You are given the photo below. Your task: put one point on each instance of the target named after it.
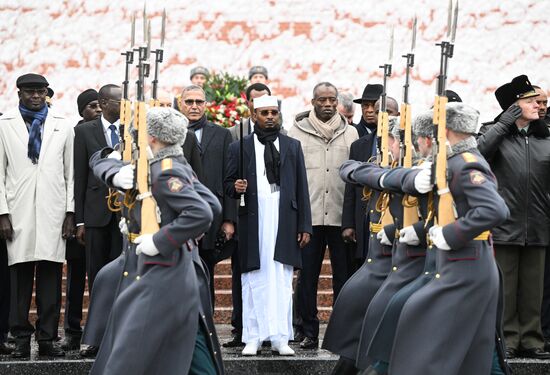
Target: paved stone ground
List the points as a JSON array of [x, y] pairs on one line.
[[306, 362]]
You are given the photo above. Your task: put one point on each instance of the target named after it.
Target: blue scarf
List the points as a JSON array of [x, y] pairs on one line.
[[37, 119]]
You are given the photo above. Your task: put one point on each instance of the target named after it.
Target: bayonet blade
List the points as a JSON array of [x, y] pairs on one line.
[[133, 33], [413, 42], [144, 23], [390, 57], [449, 18], [455, 22], [163, 30], [148, 52]]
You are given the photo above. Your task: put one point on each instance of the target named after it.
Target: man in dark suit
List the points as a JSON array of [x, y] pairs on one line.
[[213, 142], [89, 109], [354, 220], [369, 121], [97, 226]]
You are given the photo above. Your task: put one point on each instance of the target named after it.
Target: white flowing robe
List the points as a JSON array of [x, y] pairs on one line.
[[36, 196], [267, 292]]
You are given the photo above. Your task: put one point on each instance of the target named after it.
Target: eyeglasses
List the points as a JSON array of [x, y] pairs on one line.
[[41, 91], [267, 112], [330, 99], [190, 102]]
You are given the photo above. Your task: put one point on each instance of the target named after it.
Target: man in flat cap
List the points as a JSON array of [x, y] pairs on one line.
[[149, 302], [258, 74], [517, 147], [274, 227], [36, 217]]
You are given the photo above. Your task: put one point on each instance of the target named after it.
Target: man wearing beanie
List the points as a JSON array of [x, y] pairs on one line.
[[169, 257], [214, 141], [274, 227], [517, 147], [36, 217], [258, 74], [88, 108], [88, 105], [326, 138], [459, 305]]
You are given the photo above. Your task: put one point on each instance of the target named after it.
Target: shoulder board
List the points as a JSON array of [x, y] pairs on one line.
[[166, 164], [469, 157]]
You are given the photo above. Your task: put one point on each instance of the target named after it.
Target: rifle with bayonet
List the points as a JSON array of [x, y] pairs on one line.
[[125, 103], [444, 212], [159, 55], [140, 160], [383, 129], [406, 148]]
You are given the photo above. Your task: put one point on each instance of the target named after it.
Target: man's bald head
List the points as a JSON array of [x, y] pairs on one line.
[[392, 107]]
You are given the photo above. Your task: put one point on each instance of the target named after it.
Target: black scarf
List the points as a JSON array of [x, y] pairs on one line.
[[371, 126], [272, 158], [197, 125]]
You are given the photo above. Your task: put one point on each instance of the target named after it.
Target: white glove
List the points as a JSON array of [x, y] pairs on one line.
[[123, 227], [422, 181], [115, 155], [437, 238], [408, 236], [384, 240], [124, 179], [146, 245]]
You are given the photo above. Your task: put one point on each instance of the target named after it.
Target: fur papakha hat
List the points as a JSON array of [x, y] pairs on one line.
[[423, 124], [462, 118], [167, 125]]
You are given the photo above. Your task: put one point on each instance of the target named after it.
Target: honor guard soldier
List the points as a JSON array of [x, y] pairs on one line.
[[167, 273]]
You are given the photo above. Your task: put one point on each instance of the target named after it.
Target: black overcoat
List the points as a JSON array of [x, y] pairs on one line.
[[294, 206]]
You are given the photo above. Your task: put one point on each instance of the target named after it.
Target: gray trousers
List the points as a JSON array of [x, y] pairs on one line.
[[523, 273]]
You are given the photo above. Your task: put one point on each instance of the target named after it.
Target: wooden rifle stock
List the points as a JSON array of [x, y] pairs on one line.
[[410, 210], [125, 120], [445, 211], [149, 222]]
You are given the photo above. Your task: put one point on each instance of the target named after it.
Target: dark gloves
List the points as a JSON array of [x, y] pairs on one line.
[[510, 116]]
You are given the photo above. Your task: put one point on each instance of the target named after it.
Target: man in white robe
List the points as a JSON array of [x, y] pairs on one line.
[[273, 227]]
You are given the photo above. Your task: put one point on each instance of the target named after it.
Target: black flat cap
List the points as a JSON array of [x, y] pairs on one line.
[[519, 88], [371, 93], [31, 79]]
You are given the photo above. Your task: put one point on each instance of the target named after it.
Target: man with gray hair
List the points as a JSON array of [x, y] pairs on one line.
[[346, 107], [213, 143]]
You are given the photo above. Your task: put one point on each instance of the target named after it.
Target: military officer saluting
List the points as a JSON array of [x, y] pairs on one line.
[[165, 298]]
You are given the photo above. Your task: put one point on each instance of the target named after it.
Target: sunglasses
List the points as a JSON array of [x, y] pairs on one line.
[[198, 102], [267, 112], [41, 91]]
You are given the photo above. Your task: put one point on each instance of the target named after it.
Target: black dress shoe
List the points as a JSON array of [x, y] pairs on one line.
[[89, 351], [298, 337], [536, 353], [70, 342], [511, 353], [310, 343], [5, 349], [236, 342], [22, 349], [50, 349]]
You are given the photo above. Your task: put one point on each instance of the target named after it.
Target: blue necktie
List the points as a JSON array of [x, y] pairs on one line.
[[114, 136]]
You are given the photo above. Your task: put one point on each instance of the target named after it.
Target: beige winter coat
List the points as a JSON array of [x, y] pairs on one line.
[[323, 160], [36, 196]]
